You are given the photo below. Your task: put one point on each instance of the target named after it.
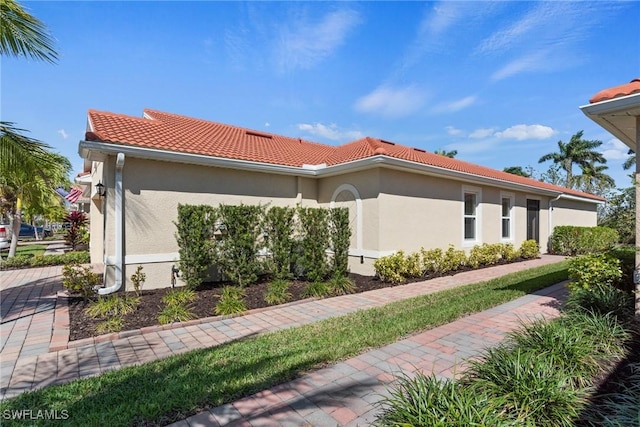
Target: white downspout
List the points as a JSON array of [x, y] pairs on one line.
[[119, 225], [551, 214]]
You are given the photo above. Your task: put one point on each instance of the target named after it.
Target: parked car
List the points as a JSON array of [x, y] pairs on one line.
[[28, 230], [5, 240]]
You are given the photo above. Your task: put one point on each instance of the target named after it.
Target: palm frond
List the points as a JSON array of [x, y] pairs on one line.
[[22, 34]]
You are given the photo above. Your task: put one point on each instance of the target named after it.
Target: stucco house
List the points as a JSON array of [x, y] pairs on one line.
[[617, 109], [399, 197]]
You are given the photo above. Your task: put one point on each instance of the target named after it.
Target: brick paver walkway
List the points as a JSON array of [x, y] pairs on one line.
[[27, 365]]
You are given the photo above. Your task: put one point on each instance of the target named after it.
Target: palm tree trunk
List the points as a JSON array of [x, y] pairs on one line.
[[17, 222]]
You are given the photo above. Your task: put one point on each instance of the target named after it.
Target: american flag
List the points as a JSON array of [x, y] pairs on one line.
[[74, 195]]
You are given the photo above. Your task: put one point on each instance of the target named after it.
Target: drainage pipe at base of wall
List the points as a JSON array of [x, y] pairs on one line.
[[119, 225]]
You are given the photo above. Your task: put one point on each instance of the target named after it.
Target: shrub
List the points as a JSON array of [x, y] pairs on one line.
[[316, 290], [236, 253], [138, 279], [508, 252], [341, 285], [195, 231], [391, 268], [627, 257], [76, 257], [484, 254], [413, 265], [77, 223], [588, 270], [431, 260], [601, 299], [80, 279], [571, 240], [231, 301], [18, 261], [175, 313], [453, 259], [340, 240], [277, 292], [314, 243], [112, 305], [279, 226], [529, 249], [428, 401]]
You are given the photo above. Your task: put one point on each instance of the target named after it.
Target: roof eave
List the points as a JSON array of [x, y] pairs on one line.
[[610, 113]]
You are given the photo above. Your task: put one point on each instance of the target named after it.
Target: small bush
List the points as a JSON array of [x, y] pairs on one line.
[[277, 292], [431, 260], [341, 285], [413, 266], [180, 296], [391, 268], [529, 249], [231, 301], [453, 259], [485, 254], [138, 279], [112, 305], [428, 401], [80, 280], [601, 299], [18, 261], [588, 270], [508, 252], [22, 261], [316, 290], [175, 313]]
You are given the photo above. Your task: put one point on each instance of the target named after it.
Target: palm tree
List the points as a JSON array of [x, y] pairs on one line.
[[22, 34], [23, 159], [593, 179], [450, 154], [578, 151], [631, 160]]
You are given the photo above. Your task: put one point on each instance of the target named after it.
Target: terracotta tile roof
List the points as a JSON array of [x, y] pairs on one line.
[[614, 92], [171, 132]]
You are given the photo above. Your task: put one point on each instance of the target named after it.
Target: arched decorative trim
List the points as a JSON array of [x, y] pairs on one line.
[[353, 190]]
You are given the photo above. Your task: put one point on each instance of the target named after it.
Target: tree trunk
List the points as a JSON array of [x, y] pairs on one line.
[[17, 222]]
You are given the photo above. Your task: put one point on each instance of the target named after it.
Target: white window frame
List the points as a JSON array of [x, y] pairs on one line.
[[478, 216], [511, 217]]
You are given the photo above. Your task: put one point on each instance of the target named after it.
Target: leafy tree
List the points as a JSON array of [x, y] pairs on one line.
[[450, 154], [517, 170], [620, 214], [577, 151], [553, 175]]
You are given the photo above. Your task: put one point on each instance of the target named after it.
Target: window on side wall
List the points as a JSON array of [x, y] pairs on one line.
[[470, 216], [507, 216]]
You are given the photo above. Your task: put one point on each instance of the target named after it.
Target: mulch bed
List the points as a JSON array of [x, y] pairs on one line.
[[146, 314]]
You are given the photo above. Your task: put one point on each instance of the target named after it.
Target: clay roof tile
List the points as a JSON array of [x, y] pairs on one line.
[[617, 91]]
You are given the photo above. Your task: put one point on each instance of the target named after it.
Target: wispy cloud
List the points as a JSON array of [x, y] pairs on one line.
[[524, 132], [392, 102], [331, 131], [63, 133], [303, 44], [457, 105], [453, 131], [481, 133]]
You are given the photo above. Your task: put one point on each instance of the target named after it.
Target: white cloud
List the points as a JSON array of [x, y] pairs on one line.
[[63, 133], [332, 131], [392, 102], [454, 131], [307, 43], [615, 149], [481, 133], [523, 132], [457, 105]]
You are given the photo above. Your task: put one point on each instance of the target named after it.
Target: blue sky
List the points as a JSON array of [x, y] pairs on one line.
[[500, 82]]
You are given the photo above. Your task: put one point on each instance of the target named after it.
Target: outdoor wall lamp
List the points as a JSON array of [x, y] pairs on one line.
[[100, 189]]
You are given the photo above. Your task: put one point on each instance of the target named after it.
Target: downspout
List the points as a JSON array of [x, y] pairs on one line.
[[119, 226], [551, 214]]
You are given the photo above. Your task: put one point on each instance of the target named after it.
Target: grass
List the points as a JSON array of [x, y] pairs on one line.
[[171, 389], [29, 250]]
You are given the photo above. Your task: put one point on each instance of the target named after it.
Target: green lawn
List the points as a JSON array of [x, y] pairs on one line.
[[176, 387], [32, 249]]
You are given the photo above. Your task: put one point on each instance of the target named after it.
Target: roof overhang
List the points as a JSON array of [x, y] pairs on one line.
[[99, 151], [619, 116]]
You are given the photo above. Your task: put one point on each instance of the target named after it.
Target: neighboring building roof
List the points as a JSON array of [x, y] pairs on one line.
[[617, 91], [164, 131]]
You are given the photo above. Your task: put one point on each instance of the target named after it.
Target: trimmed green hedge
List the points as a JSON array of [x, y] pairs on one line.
[[571, 240], [26, 261]]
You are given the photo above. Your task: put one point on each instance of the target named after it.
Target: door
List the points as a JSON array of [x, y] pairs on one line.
[[533, 220]]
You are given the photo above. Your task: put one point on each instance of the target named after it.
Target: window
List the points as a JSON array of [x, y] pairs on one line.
[[470, 215], [506, 218]]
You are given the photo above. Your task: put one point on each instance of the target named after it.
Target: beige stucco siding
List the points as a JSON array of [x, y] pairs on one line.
[[571, 212]]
